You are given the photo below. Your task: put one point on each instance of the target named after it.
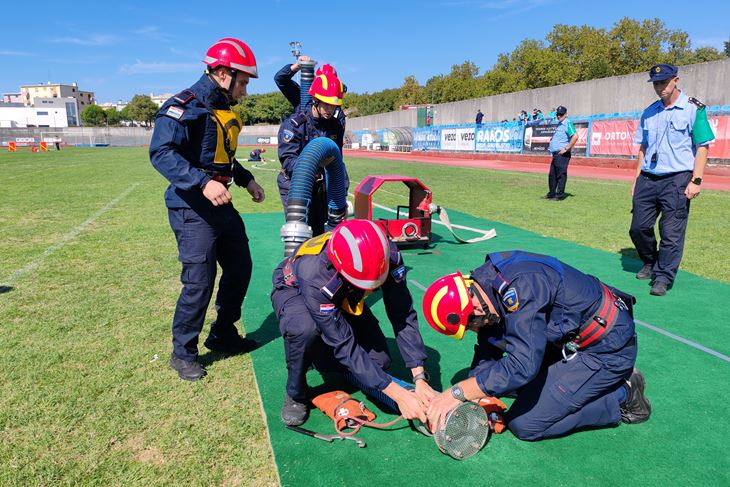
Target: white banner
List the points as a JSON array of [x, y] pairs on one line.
[[457, 139]]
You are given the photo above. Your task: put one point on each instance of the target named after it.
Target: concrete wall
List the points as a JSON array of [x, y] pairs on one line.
[[708, 82]]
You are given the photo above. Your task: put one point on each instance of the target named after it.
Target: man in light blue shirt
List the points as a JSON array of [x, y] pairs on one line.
[[563, 140], [674, 137]]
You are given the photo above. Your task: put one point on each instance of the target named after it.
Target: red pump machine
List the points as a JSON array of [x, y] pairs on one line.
[[411, 230]]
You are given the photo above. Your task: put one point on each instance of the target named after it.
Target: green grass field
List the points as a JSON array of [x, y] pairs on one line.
[[90, 278]]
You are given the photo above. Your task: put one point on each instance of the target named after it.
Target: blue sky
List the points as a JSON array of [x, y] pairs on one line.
[[119, 49]]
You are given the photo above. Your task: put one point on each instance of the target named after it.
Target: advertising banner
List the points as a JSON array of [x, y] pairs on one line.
[[426, 138], [614, 138], [457, 139], [503, 137], [537, 138], [720, 148]]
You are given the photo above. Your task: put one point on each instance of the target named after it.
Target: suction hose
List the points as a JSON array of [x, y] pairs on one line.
[[320, 152], [306, 77]]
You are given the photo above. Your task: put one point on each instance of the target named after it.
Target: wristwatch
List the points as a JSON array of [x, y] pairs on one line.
[[458, 393], [697, 181]]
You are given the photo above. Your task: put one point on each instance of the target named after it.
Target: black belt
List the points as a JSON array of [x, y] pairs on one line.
[[659, 177]]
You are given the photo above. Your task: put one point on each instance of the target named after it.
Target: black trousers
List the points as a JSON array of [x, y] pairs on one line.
[[558, 175], [655, 195]]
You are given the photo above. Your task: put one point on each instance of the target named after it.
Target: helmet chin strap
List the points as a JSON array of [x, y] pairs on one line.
[[229, 91], [488, 318]]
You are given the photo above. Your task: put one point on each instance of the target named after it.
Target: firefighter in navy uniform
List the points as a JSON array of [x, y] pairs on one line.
[[193, 147], [284, 79], [318, 298], [569, 340], [316, 120]]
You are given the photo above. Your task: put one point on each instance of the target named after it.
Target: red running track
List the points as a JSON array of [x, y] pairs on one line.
[[716, 177]]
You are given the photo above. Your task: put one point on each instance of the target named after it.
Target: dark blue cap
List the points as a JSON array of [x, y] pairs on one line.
[[561, 110], [660, 72]]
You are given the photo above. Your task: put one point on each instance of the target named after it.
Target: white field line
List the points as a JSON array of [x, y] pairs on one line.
[[66, 238]]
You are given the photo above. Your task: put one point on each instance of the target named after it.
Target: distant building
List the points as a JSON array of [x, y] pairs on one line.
[[160, 99], [53, 113], [118, 105], [12, 98], [56, 90]]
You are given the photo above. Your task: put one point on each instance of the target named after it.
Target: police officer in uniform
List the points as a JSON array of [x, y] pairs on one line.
[[317, 119], [569, 341], [193, 147], [318, 298], [561, 143], [674, 137]]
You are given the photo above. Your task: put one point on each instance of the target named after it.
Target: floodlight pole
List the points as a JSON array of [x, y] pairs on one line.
[[296, 48]]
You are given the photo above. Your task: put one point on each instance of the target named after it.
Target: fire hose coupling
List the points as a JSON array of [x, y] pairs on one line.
[[434, 209], [335, 217], [293, 234]]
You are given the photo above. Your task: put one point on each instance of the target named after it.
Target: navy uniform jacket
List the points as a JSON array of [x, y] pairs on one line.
[[284, 79], [324, 292], [541, 301], [187, 141], [300, 128]]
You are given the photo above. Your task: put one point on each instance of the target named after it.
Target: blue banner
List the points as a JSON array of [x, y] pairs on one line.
[[427, 138], [499, 137]]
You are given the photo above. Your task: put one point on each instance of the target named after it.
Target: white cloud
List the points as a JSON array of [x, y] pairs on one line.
[[140, 67], [91, 40], [14, 53], [152, 32]]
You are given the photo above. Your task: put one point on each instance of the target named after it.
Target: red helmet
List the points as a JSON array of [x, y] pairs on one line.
[[326, 69], [327, 88], [234, 54], [447, 305], [360, 252]]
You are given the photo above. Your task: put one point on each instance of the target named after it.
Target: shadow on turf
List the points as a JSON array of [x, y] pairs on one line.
[[630, 261], [6, 289]]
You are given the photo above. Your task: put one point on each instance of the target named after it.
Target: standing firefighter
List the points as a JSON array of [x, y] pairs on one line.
[[319, 298], [674, 137], [316, 119], [193, 147], [569, 341]]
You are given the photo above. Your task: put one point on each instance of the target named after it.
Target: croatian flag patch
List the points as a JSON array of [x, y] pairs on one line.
[[175, 112], [327, 309]]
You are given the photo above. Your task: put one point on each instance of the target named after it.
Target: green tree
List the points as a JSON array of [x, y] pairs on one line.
[[411, 92], [727, 47], [113, 116], [93, 116], [142, 109]]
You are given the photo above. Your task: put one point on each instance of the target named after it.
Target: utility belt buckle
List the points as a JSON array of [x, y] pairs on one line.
[[571, 346]]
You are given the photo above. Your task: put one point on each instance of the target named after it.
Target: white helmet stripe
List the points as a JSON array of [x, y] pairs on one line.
[[354, 251], [383, 239], [236, 46], [368, 285]]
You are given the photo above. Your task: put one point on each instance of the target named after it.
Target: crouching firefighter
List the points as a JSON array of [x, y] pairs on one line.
[[193, 147], [569, 340], [318, 298]]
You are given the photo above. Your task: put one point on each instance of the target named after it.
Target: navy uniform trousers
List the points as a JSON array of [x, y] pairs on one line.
[[570, 395], [205, 237], [558, 176], [303, 344], [654, 195]]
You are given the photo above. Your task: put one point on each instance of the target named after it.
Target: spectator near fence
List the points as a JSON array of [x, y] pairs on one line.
[[479, 118]]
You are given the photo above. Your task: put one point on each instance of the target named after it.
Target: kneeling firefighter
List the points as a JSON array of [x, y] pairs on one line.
[[569, 341], [318, 298]]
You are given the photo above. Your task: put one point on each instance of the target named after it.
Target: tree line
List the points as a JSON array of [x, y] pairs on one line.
[[569, 53]]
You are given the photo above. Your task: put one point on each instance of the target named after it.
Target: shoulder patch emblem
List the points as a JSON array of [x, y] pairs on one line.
[[695, 101], [327, 308], [399, 273], [510, 300], [175, 112], [287, 135]]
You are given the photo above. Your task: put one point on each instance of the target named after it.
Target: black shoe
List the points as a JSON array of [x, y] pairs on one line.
[[230, 346], [293, 413], [187, 370], [659, 288], [645, 272], [549, 196], [636, 408]]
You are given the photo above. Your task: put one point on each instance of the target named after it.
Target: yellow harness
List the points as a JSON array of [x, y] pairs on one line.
[[314, 246]]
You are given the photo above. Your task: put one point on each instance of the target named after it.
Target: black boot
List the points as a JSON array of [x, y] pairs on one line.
[[187, 370], [293, 413], [659, 288], [636, 408], [231, 344], [645, 272]]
